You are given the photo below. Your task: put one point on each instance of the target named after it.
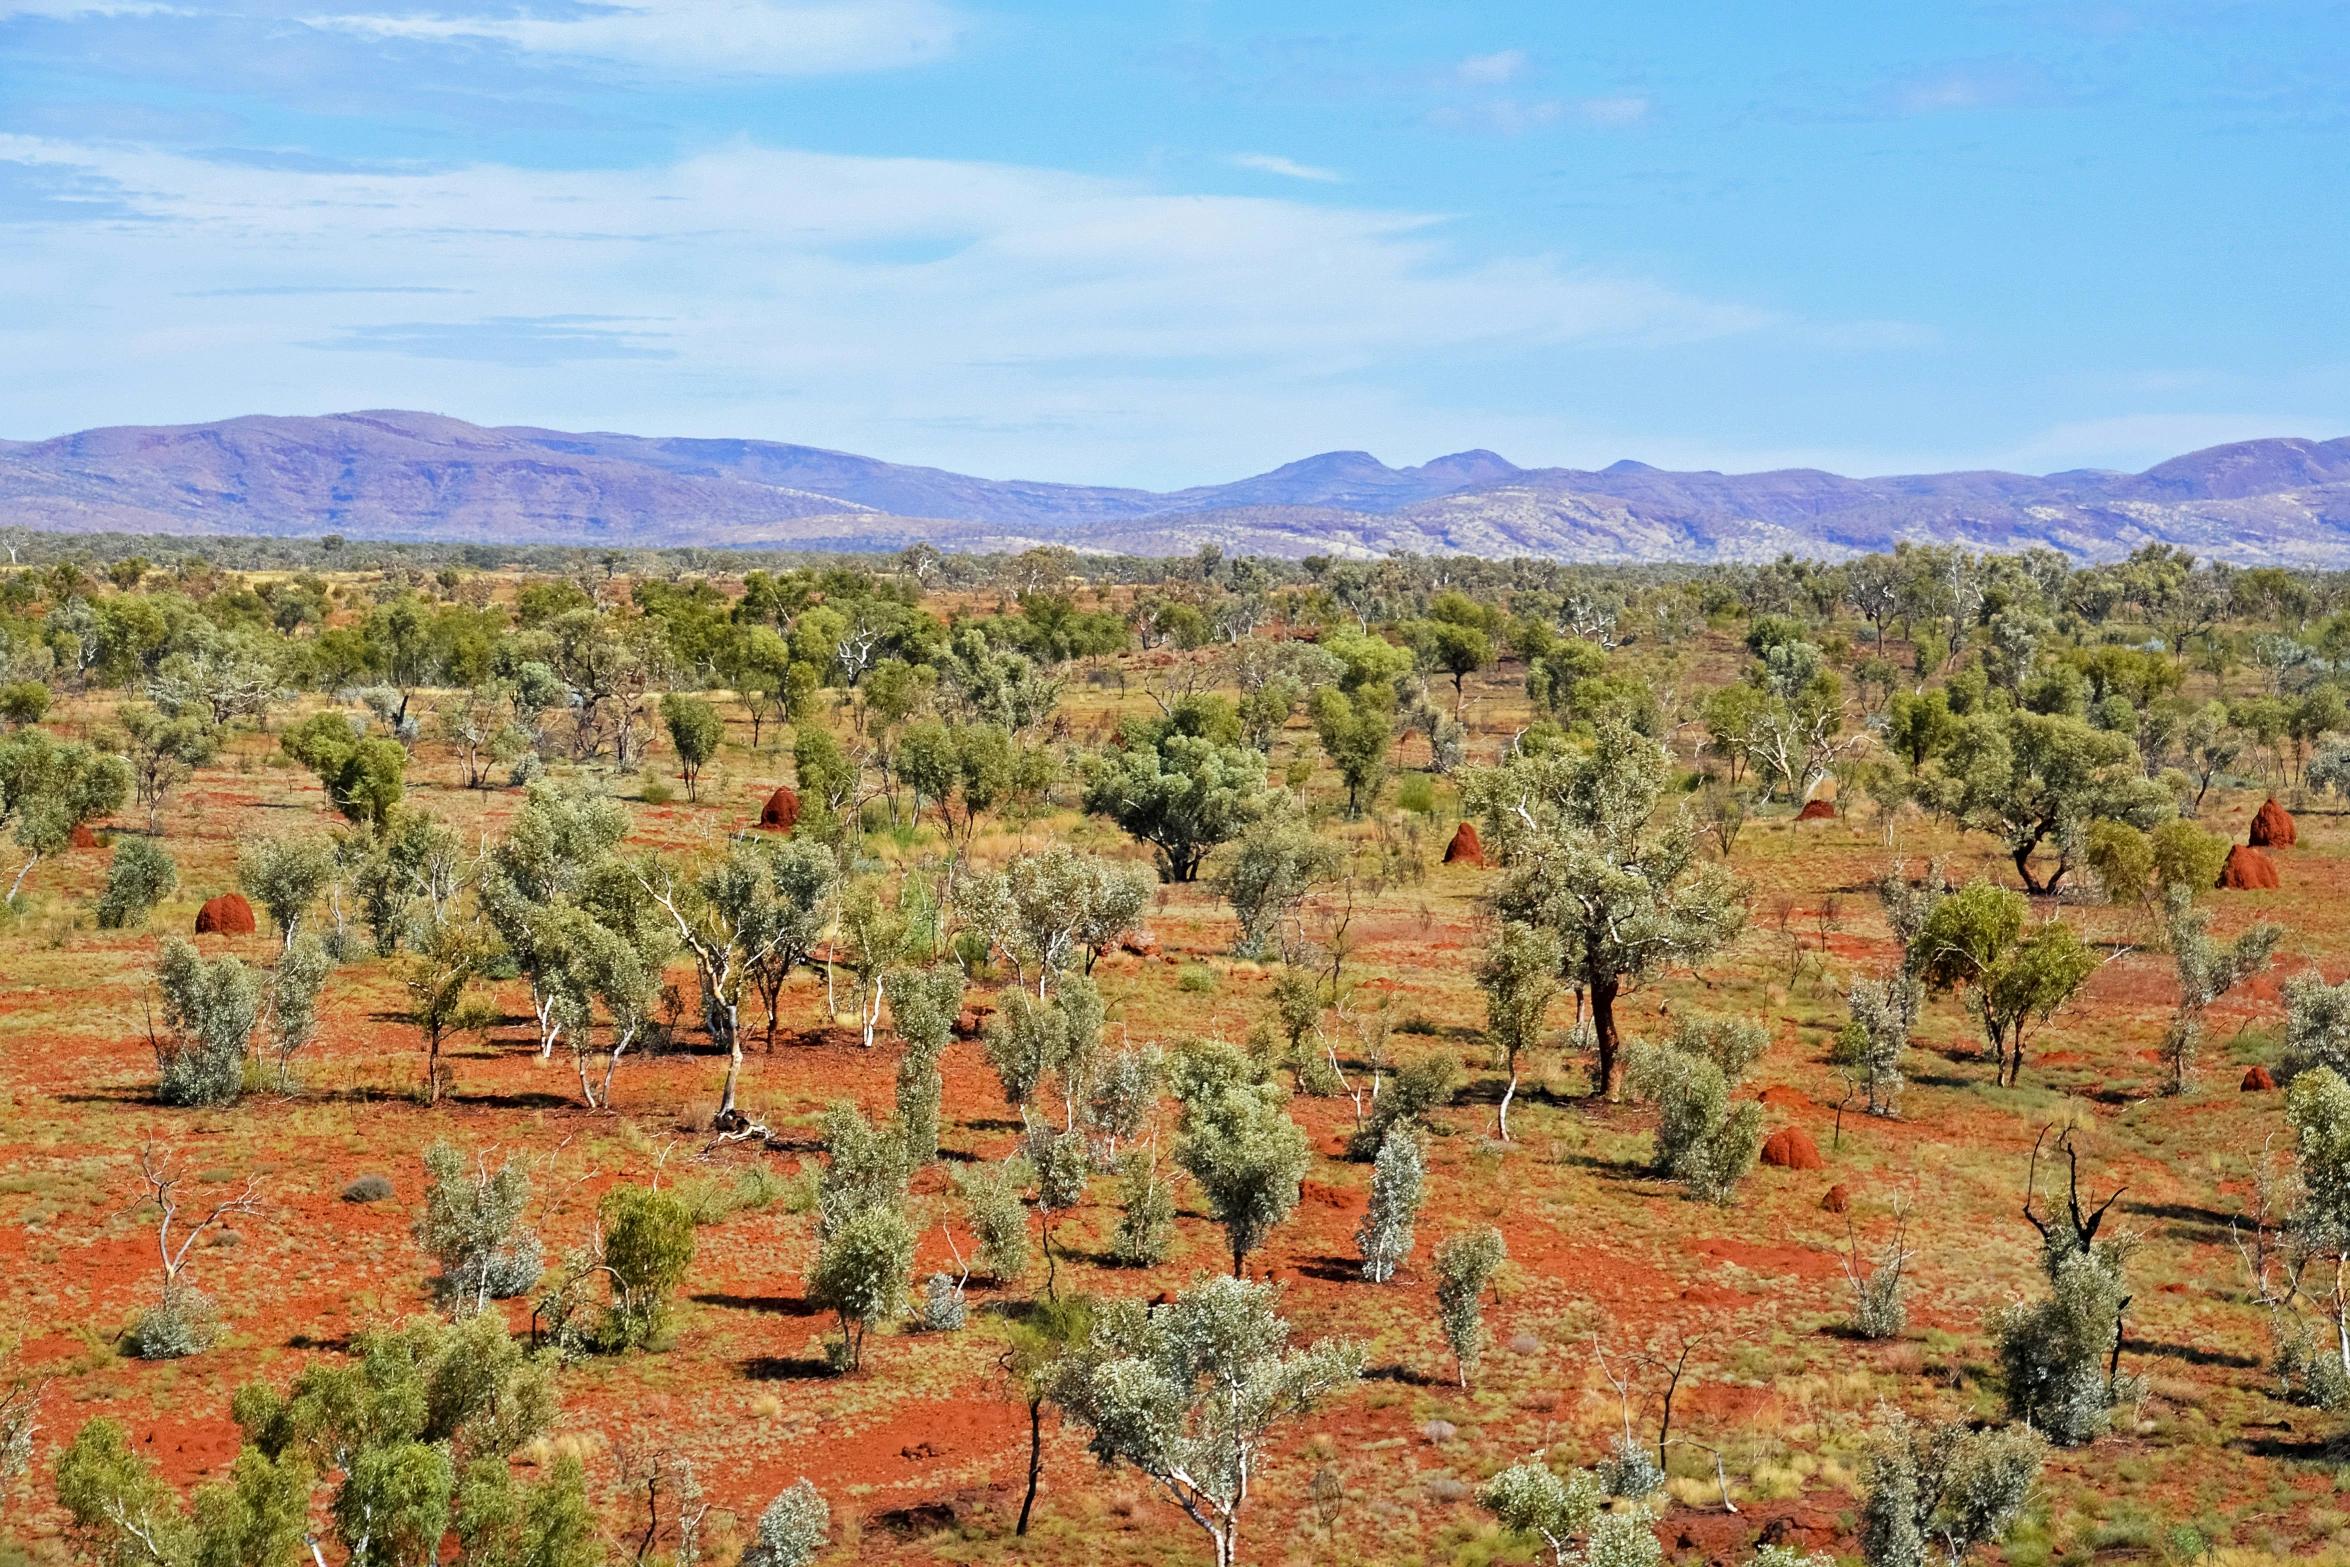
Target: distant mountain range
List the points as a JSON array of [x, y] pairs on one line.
[[394, 475]]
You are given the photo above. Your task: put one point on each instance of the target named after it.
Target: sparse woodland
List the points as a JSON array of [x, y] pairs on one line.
[[564, 1058]]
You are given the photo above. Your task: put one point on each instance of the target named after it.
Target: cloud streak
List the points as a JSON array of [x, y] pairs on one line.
[[815, 296], [718, 37], [1272, 163]]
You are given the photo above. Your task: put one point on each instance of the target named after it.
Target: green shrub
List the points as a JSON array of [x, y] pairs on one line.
[[648, 1245], [209, 1010], [142, 875]]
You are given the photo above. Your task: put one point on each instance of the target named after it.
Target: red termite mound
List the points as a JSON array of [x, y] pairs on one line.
[[1466, 847], [2257, 1081], [1838, 1200], [83, 838], [2272, 827], [1816, 811], [782, 810], [1791, 1148], [2247, 869], [227, 915]]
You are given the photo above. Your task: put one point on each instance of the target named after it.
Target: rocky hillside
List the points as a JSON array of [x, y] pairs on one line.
[[421, 476]]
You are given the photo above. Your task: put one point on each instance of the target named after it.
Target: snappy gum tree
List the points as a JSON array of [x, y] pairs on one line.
[[1623, 895]]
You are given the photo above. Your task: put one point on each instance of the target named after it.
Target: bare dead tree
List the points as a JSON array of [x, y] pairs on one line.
[[162, 1188]]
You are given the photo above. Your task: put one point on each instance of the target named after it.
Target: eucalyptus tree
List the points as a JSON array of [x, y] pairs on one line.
[[733, 917], [1043, 912], [1623, 895], [48, 788], [555, 842], [1191, 1394]]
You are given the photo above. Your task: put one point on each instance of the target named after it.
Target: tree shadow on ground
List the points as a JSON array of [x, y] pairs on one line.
[[772, 1305], [2191, 1354], [787, 1368]]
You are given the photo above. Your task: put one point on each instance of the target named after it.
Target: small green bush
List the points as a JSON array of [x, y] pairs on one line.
[[648, 1245]]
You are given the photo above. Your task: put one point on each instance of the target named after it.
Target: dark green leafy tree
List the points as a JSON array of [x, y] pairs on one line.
[[2037, 780], [363, 776], [694, 733], [142, 875], [1038, 1342], [1975, 940], [1183, 795], [1624, 899], [1355, 730]]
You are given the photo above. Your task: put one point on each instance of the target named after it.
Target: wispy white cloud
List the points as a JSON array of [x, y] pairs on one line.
[[1510, 117], [1272, 163], [1487, 69], [739, 37], [839, 299], [66, 10], [1967, 85]]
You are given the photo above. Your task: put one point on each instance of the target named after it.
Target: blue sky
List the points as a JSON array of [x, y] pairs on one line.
[[1169, 243]]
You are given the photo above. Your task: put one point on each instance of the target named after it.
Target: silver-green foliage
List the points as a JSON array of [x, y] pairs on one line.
[[1268, 875], [1146, 1211], [1247, 1155], [294, 987], [2317, 1108], [861, 1277], [1941, 1488], [942, 1308], [992, 1209], [868, 1168], [1397, 1177], [1190, 1393], [142, 875], [1028, 1041], [2317, 1024], [184, 1323], [1629, 1470], [791, 1529], [2055, 1354], [285, 876], [1703, 1140], [1465, 1264], [472, 1224], [209, 1009], [1530, 1498], [1877, 1036], [923, 1004], [2207, 970]]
